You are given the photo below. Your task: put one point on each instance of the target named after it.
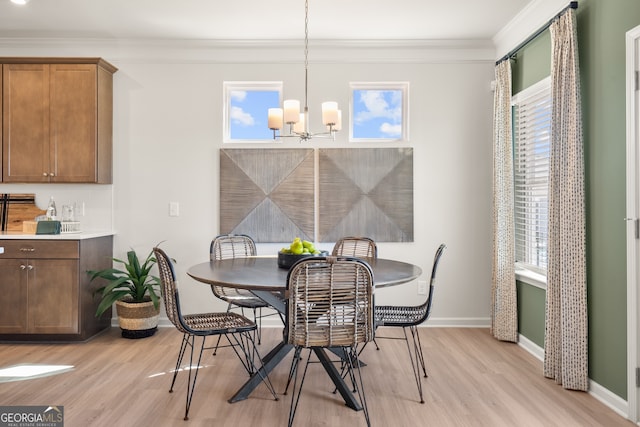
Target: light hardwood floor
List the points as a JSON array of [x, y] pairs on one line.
[[474, 380]]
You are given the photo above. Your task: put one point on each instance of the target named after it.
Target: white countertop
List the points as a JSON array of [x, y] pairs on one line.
[[17, 235]]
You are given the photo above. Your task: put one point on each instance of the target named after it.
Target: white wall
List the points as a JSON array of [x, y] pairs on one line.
[[168, 133]]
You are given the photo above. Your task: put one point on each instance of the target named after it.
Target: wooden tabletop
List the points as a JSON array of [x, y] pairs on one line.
[[263, 273]]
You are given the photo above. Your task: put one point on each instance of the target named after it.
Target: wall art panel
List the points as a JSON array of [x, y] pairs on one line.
[[366, 192], [267, 194]]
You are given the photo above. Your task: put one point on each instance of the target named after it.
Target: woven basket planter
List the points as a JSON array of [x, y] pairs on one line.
[[137, 320]]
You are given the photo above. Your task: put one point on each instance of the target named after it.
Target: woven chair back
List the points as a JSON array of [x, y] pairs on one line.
[[436, 260], [359, 247], [169, 288], [330, 302], [226, 246]]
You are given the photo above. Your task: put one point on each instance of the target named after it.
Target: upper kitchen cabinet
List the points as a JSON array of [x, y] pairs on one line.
[[57, 120]]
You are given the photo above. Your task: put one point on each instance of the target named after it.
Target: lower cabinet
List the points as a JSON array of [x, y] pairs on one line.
[[45, 288]]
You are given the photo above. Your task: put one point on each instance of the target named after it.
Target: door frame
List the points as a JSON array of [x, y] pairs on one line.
[[632, 219]]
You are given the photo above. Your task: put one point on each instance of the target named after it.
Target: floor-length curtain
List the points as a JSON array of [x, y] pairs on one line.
[[504, 316], [565, 357]]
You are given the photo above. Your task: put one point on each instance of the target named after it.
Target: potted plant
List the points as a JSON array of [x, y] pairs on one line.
[[134, 291]]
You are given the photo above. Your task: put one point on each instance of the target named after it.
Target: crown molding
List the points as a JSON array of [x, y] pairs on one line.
[[256, 51], [533, 16]]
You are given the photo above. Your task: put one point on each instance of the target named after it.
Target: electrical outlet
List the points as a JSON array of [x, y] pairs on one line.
[[422, 287], [81, 213], [174, 209]]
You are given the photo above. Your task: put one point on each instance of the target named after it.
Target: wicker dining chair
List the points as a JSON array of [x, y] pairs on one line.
[[408, 318], [329, 304], [359, 247], [226, 246], [235, 327]]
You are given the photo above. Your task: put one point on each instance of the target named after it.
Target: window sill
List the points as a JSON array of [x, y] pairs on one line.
[[531, 278]]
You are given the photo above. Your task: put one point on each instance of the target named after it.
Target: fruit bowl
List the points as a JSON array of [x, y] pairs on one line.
[[287, 260]]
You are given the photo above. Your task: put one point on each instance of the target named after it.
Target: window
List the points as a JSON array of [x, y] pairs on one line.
[[246, 106], [532, 137], [379, 111]]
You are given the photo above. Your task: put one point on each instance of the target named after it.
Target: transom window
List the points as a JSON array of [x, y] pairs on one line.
[[379, 111], [246, 106]]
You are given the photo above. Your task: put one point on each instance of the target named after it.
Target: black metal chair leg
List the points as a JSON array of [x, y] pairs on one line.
[[183, 347], [295, 397], [415, 359], [419, 353], [354, 360], [191, 385], [294, 362]]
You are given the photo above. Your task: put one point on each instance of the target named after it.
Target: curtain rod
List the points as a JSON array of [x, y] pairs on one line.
[[511, 54]]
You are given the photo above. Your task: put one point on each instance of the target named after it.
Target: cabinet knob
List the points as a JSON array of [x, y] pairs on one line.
[[22, 266], [52, 174], [29, 267], [45, 174]]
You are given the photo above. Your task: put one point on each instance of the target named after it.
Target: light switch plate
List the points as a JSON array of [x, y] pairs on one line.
[[174, 209]]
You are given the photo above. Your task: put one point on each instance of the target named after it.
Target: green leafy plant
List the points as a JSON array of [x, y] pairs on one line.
[[134, 282]]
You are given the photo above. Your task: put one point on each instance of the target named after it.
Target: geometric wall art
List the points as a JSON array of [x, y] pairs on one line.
[[366, 192], [267, 194]]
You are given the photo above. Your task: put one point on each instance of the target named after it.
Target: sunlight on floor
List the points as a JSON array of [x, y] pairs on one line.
[[29, 371], [185, 368]]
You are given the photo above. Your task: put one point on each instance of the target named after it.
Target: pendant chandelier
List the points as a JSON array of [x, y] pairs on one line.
[[298, 122]]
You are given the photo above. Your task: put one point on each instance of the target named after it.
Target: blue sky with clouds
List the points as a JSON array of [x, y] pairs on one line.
[[377, 114], [248, 113]]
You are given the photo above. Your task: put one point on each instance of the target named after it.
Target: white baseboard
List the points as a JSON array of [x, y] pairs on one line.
[[531, 347], [608, 398]]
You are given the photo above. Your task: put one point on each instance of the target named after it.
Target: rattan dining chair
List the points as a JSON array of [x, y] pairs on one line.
[[226, 246], [235, 327], [408, 318], [329, 304], [359, 247]]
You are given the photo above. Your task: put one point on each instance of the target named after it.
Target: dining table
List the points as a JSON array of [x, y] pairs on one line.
[[262, 276]]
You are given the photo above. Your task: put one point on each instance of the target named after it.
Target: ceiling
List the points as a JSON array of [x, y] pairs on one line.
[[258, 19]]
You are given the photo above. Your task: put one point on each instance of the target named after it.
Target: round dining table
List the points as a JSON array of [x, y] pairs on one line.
[[262, 276]]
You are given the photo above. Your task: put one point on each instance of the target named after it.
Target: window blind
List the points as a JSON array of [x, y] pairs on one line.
[[532, 136]]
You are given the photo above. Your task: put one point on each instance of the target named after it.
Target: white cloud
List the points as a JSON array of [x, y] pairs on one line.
[[238, 95], [239, 116], [376, 106], [390, 129]]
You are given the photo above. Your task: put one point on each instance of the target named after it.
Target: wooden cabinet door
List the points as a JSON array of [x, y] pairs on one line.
[[53, 296], [25, 114], [13, 302], [73, 145]]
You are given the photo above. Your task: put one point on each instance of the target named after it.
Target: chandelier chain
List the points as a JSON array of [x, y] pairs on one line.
[[306, 51]]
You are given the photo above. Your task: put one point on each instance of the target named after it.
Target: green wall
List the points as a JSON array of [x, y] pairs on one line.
[[601, 42], [531, 312]]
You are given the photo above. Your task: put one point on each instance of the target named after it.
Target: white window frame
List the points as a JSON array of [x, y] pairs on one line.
[[530, 273], [257, 86], [401, 86]]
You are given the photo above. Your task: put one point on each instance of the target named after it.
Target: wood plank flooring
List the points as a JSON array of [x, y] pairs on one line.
[[474, 380]]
